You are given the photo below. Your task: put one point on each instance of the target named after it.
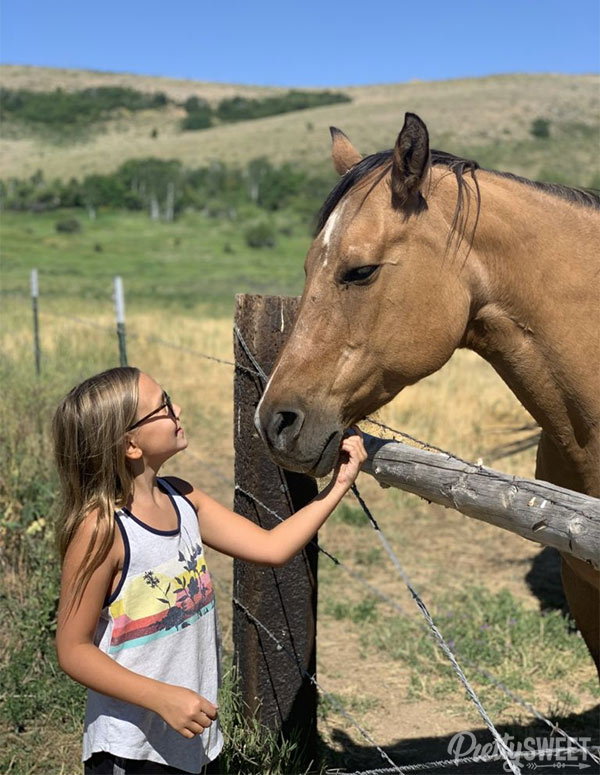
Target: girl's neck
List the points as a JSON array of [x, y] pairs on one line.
[[145, 487]]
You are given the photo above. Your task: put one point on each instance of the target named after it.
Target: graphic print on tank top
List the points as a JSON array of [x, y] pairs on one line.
[[162, 600]]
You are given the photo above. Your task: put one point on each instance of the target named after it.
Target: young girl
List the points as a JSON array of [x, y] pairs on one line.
[[137, 622]]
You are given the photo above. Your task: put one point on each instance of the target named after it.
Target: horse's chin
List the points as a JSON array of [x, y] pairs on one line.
[[316, 463]]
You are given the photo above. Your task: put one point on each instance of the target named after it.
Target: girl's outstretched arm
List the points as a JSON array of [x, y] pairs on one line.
[[238, 537], [184, 710]]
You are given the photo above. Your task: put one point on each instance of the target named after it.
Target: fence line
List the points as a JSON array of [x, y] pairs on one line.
[[487, 675], [150, 339], [281, 647], [402, 769], [523, 484], [259, 372]]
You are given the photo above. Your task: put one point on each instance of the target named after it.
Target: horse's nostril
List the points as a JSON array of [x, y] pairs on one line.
[[285, 420], [284, 427]]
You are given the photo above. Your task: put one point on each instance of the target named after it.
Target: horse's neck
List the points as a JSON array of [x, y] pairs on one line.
[[534, 277]]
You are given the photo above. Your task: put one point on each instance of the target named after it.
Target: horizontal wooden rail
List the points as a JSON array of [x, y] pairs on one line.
[[538, 511]]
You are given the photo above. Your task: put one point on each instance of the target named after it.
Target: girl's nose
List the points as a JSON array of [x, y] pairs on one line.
[[177, 410]]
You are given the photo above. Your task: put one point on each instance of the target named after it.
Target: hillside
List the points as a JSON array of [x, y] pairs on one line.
[[488, 118]]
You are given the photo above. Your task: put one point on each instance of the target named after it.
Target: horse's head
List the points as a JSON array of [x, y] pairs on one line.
[[383, 305]]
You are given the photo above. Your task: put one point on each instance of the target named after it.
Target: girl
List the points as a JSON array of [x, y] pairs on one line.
[[137, 622]]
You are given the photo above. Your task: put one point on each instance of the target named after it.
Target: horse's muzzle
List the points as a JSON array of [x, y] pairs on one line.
[[297, 441]]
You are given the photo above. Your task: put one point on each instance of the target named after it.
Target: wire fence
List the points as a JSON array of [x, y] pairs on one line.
[[503, 752]]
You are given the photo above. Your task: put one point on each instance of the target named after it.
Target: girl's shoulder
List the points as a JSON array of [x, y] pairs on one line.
[[182, 487], [93, 535]]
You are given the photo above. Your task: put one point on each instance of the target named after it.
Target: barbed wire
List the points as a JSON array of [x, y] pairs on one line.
[[334, 701], [529, 754], [553, 726], [150, 339], [258, 371], [479, 469]]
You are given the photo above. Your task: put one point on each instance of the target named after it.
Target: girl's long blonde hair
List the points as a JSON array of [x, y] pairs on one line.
[[89, 430]]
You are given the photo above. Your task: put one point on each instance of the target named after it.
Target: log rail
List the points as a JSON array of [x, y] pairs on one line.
[[536, 510]]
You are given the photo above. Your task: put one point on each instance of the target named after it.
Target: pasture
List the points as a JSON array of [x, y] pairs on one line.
[[495, 596], [489, 119]]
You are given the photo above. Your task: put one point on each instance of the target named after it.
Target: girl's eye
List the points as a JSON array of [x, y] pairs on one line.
[[360, 274]]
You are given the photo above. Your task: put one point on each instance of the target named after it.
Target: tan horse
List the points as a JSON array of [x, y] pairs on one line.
[[418, 253]]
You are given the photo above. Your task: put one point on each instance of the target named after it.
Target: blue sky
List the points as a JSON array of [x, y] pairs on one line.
[[305, 43]]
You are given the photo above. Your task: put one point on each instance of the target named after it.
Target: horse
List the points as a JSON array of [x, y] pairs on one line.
[[418, 252]]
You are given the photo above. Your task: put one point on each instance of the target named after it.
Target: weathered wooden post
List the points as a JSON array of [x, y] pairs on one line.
[[284, 599]]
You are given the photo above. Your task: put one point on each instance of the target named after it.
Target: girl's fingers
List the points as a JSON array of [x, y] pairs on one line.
[[210, 710], [195, 727], [203, 719]]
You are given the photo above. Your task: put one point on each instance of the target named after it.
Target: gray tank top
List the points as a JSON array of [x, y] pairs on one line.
[[160, 622]]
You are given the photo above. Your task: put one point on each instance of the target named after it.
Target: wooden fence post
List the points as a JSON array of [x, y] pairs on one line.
[[284, 599]]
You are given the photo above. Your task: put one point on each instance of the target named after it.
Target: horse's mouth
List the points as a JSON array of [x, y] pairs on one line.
[[316, 467], [327, 458]]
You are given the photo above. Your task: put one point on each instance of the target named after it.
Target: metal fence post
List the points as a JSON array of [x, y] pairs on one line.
[[120, 310], [36, 325]]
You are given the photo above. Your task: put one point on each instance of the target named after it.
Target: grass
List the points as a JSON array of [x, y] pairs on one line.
[[43, 709], [180, 280], [492, 630], [487, 118], [195, 262]]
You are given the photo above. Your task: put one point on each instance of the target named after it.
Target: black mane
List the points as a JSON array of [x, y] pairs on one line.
[[383, 161]]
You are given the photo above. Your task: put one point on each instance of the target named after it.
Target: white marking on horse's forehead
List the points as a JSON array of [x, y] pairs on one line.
[[329, 228]]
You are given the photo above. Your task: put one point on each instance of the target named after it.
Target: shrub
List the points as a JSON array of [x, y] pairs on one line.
[[540, 127], [243, 108], [197, 120], [261, 235], [60, 108], [199, 114], [68, 226]]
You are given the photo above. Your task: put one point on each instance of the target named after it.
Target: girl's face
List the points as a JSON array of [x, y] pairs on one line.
[[159, 434]]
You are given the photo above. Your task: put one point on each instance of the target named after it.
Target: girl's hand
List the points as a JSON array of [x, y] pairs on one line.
[[184, 710], [352, 456]]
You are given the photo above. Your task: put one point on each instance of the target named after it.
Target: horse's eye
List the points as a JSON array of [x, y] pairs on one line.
[[360, 274]]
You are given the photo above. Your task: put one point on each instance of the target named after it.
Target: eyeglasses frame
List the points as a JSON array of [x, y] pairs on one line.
[[165, 402]]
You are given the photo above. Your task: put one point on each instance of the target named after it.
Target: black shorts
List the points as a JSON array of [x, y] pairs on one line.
[[107, 764]]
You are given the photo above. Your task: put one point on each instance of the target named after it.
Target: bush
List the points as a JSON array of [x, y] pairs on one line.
[[199, 114], [60, 108], [197, 120], [261, 235], [68, 226], [242, 108], [540, 127]]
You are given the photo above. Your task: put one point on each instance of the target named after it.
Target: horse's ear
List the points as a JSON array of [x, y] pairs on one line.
[[410, 162], [343, 153]]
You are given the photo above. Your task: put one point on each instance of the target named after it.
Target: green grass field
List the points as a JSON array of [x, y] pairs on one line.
[[194, 262]]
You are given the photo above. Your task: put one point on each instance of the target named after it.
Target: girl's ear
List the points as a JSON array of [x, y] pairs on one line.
[[132, 451]]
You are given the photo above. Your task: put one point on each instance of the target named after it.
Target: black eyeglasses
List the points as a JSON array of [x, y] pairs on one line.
[[166, 401]]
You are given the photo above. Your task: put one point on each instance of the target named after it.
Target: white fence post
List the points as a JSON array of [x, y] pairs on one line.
[[36, 325], [119, 298]]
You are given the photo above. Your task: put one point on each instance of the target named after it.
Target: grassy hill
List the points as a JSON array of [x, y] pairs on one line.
[[487, 118]]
